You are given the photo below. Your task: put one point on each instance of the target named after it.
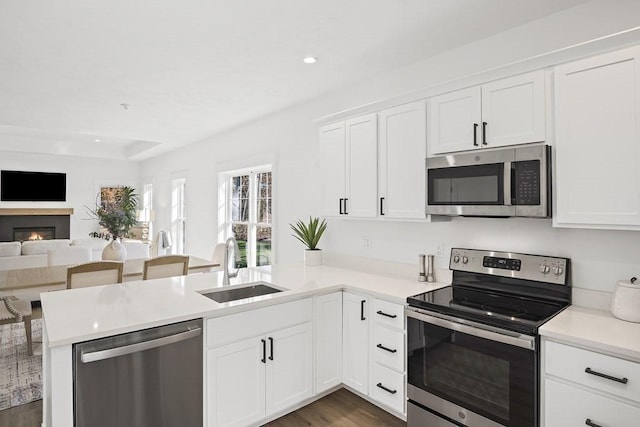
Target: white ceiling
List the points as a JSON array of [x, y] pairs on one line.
[[191, 68]]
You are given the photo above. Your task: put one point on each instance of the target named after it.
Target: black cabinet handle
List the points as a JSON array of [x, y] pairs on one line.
[[609, 377], [381, 201], [345, 207], [380, 346], [264, 351], [341, 206], [382, 313], [271, 347], [475, 134], [388, 390], [591, 423], [484, 133], [362, 309]]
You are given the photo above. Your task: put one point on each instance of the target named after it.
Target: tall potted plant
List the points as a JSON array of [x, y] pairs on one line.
[[310, 234], [116, 212]]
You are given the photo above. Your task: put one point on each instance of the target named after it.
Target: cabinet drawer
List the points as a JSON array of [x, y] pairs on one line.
[[388, 348], [388, 313], [571, 406], [251, 323], [392, 395], [571, 363]]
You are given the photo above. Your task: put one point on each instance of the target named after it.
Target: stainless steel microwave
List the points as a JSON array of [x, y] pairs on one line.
[[498, 183]]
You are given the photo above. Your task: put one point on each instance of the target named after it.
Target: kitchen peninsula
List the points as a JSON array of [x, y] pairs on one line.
[[376, 302]]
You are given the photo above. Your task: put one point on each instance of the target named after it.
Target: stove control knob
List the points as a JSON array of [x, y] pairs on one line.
[[456, 258], [544, 268], [465, 260], [558, 270]]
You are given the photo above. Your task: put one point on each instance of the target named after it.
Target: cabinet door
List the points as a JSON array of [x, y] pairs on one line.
[[235, 384], [514, 110], [402, 152], [332, 159], [362, 164], [355, 341], [598, 141], [455, 121], [328, 337], [289, 373], [566, 405]]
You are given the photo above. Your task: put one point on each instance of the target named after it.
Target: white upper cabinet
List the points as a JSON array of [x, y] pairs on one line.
[[362, 164], [348, 164], [597, 148], [332, 159], [504, 112], [402, 143]]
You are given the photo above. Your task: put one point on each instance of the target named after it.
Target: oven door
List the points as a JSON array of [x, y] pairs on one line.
[[470, 184], [475, 377]]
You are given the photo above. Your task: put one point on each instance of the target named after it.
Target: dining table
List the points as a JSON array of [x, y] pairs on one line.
[[27, 283]]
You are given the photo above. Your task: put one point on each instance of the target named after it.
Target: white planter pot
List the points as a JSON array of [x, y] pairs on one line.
[[313, 257], [114, 251]]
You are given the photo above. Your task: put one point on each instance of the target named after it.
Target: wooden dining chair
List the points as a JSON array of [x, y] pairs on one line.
[[94, 274], [165, 266], [13, 310]]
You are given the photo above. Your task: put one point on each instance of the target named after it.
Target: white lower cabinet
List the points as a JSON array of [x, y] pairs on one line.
[[355, 341], [328, 339], [584, 387], [387, 347], [255, 377]]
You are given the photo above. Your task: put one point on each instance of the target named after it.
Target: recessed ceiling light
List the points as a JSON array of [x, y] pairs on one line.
[[310, 60], [97, 140]]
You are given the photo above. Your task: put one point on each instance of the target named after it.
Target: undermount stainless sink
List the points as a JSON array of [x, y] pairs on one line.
[[238, 292]]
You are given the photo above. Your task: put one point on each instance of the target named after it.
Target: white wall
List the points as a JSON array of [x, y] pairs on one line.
[[290, 139], [84, 177]]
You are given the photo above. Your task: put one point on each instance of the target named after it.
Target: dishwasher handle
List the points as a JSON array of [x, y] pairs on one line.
[[95, 356]]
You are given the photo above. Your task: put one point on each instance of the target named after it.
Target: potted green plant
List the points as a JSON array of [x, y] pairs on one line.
[[310, 234], [116, 212]]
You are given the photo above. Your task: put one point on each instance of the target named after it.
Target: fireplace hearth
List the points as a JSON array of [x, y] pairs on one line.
[[20, 234], [20, 227]]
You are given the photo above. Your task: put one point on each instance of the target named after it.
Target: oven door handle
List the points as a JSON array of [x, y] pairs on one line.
[[475, 329]]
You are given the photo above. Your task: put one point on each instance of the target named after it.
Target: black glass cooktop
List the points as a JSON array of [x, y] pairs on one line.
[[518, 313]]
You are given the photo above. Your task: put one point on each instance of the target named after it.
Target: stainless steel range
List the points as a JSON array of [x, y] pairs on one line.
[[472, 347]]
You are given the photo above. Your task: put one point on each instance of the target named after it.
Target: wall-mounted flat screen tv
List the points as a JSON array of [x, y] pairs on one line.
[[22, 186]]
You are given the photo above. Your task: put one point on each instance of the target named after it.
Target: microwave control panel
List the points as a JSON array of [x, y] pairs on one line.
[[525, 176]]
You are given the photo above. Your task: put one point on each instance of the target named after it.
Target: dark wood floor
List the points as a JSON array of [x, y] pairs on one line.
[[29, 415], [339, 409]]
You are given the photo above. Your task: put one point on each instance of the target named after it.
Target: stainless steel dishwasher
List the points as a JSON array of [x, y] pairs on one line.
[[147, 378]]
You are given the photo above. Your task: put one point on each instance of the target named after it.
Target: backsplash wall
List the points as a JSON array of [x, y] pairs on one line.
[[599, 257]]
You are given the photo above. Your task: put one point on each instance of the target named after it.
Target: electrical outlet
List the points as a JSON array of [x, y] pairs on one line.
[[366, 243], [440, 249]]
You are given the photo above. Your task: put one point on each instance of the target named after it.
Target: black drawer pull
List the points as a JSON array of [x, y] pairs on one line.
[[388, 390], [380, 346], [382, 313], [591, 423], [609, 377], [264, 351], [362, 310]]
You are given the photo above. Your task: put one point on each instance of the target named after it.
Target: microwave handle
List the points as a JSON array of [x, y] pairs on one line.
[[508, 189]]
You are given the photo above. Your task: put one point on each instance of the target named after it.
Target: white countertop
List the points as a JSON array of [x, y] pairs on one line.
[[78, 315], [596, 329]]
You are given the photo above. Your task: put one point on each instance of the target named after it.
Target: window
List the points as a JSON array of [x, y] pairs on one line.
[[178, 216], [147, 211], [249, 202]]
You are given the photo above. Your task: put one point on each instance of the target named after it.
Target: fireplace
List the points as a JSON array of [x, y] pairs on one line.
[[20, 234], [20, 227]]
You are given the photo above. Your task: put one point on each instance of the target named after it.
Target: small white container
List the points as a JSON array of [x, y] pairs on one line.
[[625, 303], [312, 257]]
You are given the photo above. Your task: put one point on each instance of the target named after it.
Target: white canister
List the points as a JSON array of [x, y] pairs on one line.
[[625, 303]]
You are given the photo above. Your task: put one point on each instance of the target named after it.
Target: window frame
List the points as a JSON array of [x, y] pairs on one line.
[[252, 222]]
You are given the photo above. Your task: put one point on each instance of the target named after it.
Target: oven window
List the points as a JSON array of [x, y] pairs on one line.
[[467, 185], [492, 379]]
